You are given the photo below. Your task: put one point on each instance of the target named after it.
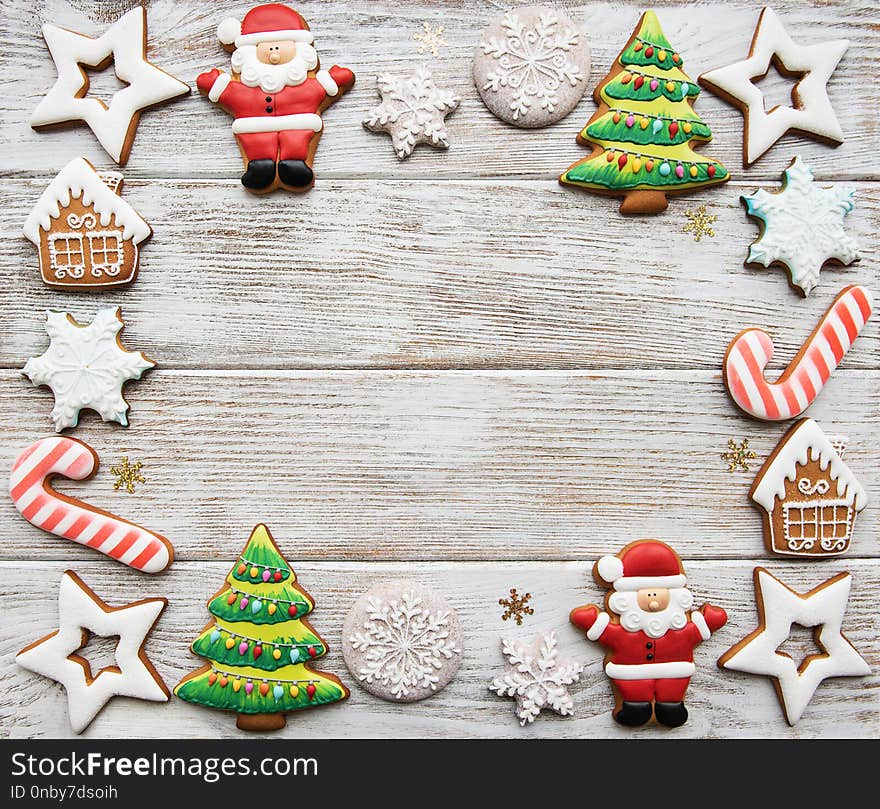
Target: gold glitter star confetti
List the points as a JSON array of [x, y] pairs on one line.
[[516, 606], [700, 223], [430, 39], [738, 455], [127, 475]]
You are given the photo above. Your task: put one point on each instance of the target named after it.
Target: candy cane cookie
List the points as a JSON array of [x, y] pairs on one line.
[[790, 395], [67, 517]]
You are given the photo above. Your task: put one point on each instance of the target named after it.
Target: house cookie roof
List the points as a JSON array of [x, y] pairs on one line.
[[803, 443], [77, 178]]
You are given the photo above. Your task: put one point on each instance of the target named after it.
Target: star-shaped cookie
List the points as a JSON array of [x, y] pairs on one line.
[[80, 614], [779, 607], [811, 112], [413, 110], [124, 43], [801, 226]]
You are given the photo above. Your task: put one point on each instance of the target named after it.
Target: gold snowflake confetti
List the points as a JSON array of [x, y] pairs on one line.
[[430, 39], [738, 455], [700, 223], [127, 475], [516, 606]]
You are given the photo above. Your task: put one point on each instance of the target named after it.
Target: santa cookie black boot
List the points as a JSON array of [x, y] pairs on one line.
[[260, 174], [295, 173], [671, 714], [633, 714]]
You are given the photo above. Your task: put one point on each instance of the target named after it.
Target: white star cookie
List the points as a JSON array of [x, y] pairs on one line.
[[80, 614], [413, 110], [125, 44], [779, 607], [86, 367], [801, 226], [811, 112]]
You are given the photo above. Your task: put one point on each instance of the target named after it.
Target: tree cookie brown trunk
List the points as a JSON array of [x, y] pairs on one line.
[[260, 721], [644, 202]]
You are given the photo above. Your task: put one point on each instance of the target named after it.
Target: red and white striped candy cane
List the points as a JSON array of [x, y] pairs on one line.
[[41, 505], [790, 395]]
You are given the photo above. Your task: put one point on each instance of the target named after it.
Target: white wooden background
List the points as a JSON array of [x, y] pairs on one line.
[[450, 368]]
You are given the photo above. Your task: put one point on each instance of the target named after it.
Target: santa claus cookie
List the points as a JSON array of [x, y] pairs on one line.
[[276, 94], [649, 630]]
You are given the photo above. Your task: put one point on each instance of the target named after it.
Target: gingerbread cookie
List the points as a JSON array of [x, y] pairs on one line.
[[402, 641], [801, 226], [86, 367], [650, 631], [276, 93], [532, 66], [794, 391], [642, 132], [124, 44], [810, 112], [779, 607], [81, 613], [809, 498], [86, 235], [259, 644]]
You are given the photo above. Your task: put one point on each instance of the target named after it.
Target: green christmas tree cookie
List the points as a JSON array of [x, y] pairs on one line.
[[259, 644], [642, 131]]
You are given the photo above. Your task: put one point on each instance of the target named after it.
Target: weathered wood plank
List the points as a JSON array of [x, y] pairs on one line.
[[721, 704], [491, 275], [189, 138], [452, 465]]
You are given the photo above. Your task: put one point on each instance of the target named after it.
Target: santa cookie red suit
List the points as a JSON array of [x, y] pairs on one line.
[[276, 95], [649, 631]]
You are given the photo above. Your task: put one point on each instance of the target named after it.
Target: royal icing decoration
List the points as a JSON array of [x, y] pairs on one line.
[[537, 677], [276, 94], [808, 496], [810, 113], [81, 614], [86, 367], [86, 235], [650, 631], [413, 110], [644, 130], [30, 485], [532, 65], [751, 350], [124, 43], [779, 607], [801, 226], [258, 644], [402, 641]]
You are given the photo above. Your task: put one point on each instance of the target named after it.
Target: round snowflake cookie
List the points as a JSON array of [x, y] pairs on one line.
[[402, 641], [532, 66]]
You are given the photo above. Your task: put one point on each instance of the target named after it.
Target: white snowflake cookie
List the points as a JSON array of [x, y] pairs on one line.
[[402, 641], [413, 110], [537, 677], [802, 226], [532, 66], [86, 367]]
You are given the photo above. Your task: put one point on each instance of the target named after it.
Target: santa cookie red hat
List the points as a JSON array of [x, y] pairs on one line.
[[642, 564], [272, 22]]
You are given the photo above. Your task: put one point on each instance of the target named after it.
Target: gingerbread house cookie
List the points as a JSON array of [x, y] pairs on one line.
[[87, 236], [809, 497]]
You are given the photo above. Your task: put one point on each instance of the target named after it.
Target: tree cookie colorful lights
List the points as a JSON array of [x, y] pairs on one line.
[[259, 644], [642, 131], [650, 631], [276, 94], [810, 113]]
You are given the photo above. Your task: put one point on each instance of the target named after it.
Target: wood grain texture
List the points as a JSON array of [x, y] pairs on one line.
[[189, 138], [721, 704], [498, 274], [415, 466]]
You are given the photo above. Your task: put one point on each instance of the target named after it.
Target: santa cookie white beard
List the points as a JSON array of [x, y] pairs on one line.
[[272, 78], [655, 624]]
